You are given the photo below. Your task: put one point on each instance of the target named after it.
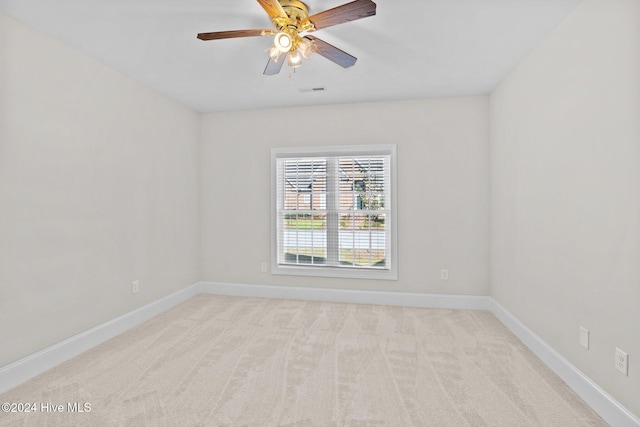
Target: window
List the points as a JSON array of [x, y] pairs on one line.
[[333, 211]]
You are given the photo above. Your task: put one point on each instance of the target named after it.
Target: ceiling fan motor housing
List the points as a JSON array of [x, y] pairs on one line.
[[289, 28], [298, 17]]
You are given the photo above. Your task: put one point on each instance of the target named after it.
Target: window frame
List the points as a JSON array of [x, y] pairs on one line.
[[390, 273]]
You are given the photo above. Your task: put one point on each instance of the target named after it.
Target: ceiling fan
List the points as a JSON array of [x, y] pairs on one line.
[[291, 22]]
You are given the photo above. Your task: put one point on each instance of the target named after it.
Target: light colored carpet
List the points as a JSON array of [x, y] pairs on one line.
[[230, 361]]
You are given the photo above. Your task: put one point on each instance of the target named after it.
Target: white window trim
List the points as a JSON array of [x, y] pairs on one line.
[[325, 271]]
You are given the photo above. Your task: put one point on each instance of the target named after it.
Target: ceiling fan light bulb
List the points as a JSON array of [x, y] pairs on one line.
[[295, 59], [282, 42]]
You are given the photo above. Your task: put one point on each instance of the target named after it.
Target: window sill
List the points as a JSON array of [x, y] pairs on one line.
[[348, 273]]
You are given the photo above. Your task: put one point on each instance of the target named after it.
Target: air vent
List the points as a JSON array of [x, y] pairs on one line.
[[313, 89]]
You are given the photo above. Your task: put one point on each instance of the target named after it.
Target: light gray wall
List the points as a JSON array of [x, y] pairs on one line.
[[98, 187], [443, 188], [565, 161]]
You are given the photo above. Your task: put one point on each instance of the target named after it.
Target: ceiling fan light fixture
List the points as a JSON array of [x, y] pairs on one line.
[[283, 41], [274, 53], [295, 59], [306, 47]]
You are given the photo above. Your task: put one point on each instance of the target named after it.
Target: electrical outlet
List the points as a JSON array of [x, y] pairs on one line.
[[584, 337], [135, 286], [622, 361], [263, 267], [444, 274]]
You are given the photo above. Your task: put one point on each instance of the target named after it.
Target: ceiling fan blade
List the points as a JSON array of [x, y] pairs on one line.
[[233, 34], [274, 67], [273, 8], [347, 12], [332, 53]]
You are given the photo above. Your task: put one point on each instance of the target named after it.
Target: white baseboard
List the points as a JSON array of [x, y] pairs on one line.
[[28, 367], [468, 302], [599, 400], [606, 406]]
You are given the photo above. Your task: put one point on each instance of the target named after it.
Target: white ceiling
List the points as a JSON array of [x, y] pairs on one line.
[[410, 49]]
